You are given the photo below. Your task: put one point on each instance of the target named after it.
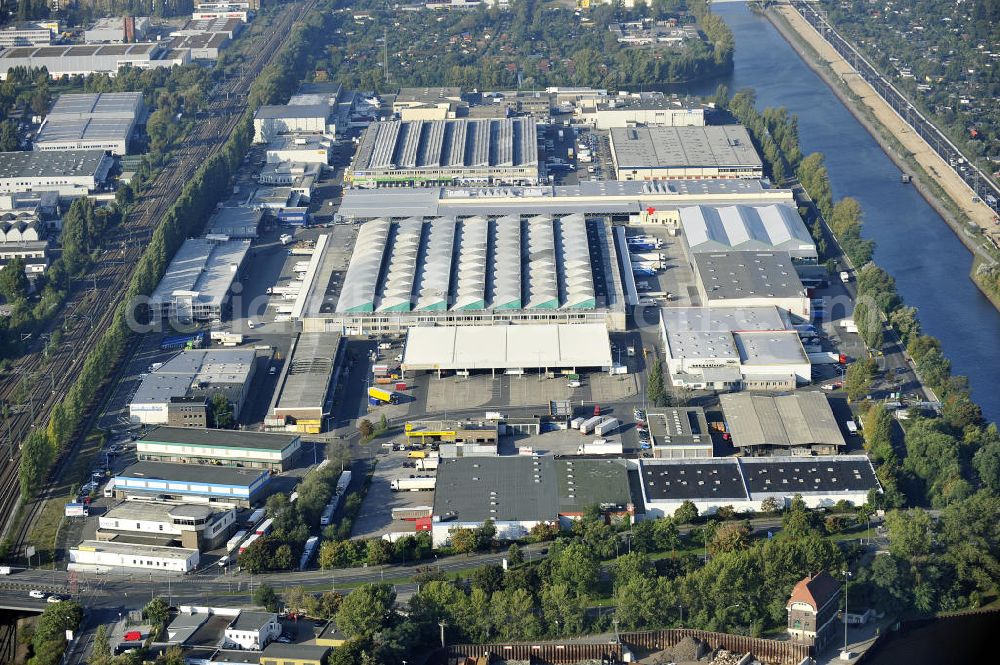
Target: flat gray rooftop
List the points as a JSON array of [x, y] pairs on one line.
[[701, 344], [678, 426], [219, 438], [212, 367], [723, 319], [100, 128], [310, 370], [680, 147], [770, 348], [203, 267], [799, 419], [89, 104], [592, 196], [462, 143], [292, 111], [69, 163], [474, 489], [726, 275], [208, 474]]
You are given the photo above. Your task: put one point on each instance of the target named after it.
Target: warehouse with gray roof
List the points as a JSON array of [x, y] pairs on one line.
[[71, 173], [518, 493], [660, 152], [91, 121], [199, 279], [194, 373], [800, 423], [747, 228], [622, 199], [434, 152], [80, 59], [750, 279], [743, 484], [302, 399]]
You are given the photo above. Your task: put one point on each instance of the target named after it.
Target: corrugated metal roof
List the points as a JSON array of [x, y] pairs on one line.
[[470, 286], [799, 419], [358, 294]]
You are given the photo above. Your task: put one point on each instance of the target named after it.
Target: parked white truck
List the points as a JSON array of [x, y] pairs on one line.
[[606, 426], [588, 425], [413, 484], [600, 447]]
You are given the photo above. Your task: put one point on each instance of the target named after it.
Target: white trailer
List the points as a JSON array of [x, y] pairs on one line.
[[576, 422], [825, 358], [343, 482], [307, 553], [427, 464], [604, 448], [588, 425], [609, 425], [413, 484]]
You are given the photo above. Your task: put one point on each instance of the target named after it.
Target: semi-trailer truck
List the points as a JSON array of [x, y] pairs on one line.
[[308, 551], [603, 448], [383, 396], [412, 484]]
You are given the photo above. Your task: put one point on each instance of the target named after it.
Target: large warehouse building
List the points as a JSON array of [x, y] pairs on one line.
[[190, 483], [518, 493], [71, 173], [654, 153], [197, 283], [798, 424], [507, 348], [478, 271], [738, 348], [623, 200], [253, 450], [91, 121], [270, 122], [744, 484], [179, 392], [750, 279], [79, 59], [747, 228], [303, 397], [488, 152]]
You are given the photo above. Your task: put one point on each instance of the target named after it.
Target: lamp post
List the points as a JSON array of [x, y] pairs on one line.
[[847, 576], [442, 624]]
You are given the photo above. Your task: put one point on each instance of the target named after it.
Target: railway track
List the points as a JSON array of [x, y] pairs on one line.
[[48, 371]]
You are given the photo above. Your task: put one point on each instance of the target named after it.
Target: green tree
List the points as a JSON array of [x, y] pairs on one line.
[[686, 513], [378, 552], [562, 610], [576, 566], [655, 391], [366, 610], [14, 281], [513, 615], [633, 566], [858, 379], [463, 541], [8, 136], [157, 612], [514, 556], [264, 596], [730, 537], [222, 411], [366, 429], [910, 534], [101, 652]]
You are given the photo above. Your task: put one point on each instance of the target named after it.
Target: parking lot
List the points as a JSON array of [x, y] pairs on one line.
[[375, 516]]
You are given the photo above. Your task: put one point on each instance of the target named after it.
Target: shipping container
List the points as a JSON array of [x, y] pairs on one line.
[[256, 517], [400, 386], [603, 448], [588, 425], [576, 422], [386, 396]]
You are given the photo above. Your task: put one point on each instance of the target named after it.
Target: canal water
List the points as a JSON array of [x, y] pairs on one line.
[[914, 244]]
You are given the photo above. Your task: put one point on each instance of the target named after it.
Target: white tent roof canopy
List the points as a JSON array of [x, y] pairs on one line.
[[507, 347]]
